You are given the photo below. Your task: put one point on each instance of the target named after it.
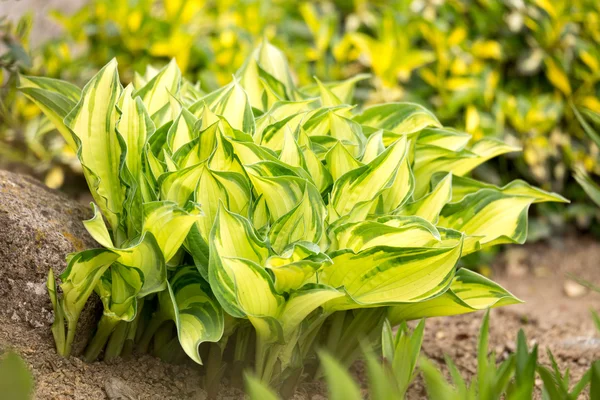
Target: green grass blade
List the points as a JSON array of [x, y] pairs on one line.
[[341, 385]]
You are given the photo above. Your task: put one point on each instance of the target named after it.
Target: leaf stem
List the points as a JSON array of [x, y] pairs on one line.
[[157, 320], [106, 326], [116, 341], [71, 329]]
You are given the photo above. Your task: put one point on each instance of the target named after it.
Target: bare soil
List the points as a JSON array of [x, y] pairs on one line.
[[535, 273]]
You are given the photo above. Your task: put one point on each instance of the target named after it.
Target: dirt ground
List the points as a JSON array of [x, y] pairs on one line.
[[535, 273]]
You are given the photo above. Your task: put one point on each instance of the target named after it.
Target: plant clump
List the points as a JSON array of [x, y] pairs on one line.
[[256, 223]]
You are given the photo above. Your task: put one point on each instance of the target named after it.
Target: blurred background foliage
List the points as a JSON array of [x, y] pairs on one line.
[[515, 69]]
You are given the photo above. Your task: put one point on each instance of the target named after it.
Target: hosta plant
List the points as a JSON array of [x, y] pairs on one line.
[[270, 219]]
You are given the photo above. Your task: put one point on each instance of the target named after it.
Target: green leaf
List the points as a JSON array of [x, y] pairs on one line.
[[296, 266], [435, 383], [407, 349], [134, 127], [181, 131], [16, 382], [381, 385], [587, 127], [58, 325], [146, 256], [595, 380], [257, 390], [339, 382], [589, 186]]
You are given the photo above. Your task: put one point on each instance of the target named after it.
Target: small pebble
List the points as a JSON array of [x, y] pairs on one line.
[[574, 289]]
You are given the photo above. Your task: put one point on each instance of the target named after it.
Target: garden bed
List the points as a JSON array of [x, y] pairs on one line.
[[535, 273]]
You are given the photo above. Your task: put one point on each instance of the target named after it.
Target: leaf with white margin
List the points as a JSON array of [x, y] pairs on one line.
[[468, 292], [190, 304]]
